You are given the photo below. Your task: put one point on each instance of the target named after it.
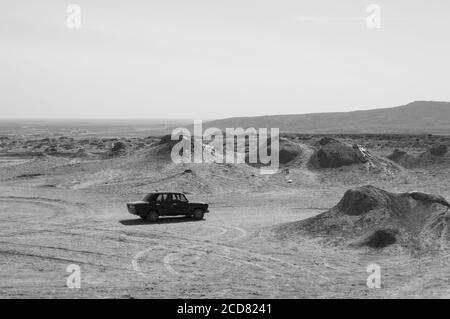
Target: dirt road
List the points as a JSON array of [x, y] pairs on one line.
[[232, 253]]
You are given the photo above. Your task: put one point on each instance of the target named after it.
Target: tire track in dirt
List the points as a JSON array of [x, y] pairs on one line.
[[55, 208], [64, 249], [167, 258], [198, 251], [59, 208], [223, 250], [60, 259], [218, 244], [56, 205]]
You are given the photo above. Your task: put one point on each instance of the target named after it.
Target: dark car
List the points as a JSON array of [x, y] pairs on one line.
[[166, 204]]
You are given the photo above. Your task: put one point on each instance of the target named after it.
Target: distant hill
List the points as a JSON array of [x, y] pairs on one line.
[[416, 117]]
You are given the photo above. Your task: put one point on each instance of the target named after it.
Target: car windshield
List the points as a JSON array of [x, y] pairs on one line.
[[148, 197]]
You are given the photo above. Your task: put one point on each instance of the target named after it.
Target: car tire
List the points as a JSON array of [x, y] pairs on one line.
[[152, 216], [198, 214]]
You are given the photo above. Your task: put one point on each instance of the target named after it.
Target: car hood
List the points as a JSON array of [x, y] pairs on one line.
[[137, 202]]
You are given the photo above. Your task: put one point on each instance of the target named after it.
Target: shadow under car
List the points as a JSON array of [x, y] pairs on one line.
[[161, 220]]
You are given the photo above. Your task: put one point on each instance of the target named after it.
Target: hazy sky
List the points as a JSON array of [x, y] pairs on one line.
[[219, 58]]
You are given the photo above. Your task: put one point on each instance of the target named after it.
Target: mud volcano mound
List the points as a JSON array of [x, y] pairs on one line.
[[288, 151], [434, 155], [362, 200], [403, 158], [397, 155], [372, 217], [81, 153], [164, 148], [334, 154], [117, 149], [439, 150]]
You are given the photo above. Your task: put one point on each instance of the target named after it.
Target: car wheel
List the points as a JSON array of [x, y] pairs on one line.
[[198, 214], [152, 216]]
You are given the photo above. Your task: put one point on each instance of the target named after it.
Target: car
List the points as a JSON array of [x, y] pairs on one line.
[[159, 204]]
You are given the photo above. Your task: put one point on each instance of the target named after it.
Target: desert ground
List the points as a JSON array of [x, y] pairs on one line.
[[62, 202]]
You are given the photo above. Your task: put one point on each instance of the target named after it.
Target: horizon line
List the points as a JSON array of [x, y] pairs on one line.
[[204, 119]]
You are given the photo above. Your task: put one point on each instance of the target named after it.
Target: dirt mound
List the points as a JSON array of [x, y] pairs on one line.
[[403, 158], [397, 155], [167, 139], [166, 145], [288, 151], [334, 154], [372, 217], [362, 200], [81, 153], [117, 149], [434, 155], [439, 150]]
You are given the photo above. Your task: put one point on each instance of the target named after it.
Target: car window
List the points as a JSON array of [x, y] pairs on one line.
[[170, 197]]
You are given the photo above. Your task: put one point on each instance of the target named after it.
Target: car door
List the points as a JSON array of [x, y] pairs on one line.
[[170, 205], [163, 204], [181, 204]]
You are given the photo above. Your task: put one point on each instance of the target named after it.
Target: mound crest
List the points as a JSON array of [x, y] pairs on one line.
[[362, 200], [372, 217]]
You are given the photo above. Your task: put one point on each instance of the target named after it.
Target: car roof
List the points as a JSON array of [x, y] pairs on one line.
[[161, 192]]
